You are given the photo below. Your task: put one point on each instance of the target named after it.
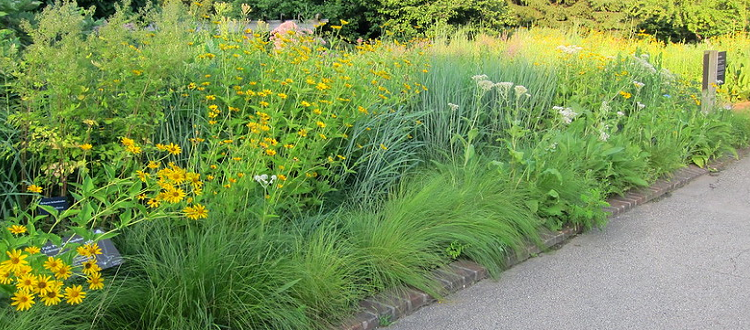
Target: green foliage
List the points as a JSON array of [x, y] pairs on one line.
[[12, 13], [692, 20], [591, 14], [418, 16]]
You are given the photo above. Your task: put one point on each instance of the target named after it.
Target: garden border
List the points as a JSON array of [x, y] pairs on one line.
[[391, 305]]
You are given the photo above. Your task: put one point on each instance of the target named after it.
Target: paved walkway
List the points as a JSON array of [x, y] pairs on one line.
[[682, 262]]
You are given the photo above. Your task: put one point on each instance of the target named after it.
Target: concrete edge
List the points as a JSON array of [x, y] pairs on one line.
[[388, 306]]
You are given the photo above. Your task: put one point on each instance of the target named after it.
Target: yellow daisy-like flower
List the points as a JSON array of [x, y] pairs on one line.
[[626, 95], [52, 296], [5, 277], [127, 142], [174, 196], [133, 149], [63, 272], [34, 188], [89, 250], [32, 250], [22, 299], [26, 282], [321, 124], [173, 149], [74, 294], [153, 203], [142, 175], [85, 146], [196, 212], [16, 261], [153, 165], [90, 267], [53, 264], [95, 281], [270, 152], [17, 229], [43, 284]]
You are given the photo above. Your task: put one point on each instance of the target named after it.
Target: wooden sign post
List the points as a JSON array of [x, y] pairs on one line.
[[714, 73]]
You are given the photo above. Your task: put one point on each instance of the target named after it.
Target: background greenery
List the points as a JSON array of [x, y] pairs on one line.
[[398, 157]]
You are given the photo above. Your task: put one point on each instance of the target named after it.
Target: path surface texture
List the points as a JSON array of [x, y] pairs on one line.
[[680, 262]]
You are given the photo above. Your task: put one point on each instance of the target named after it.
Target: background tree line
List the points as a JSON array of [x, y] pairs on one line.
[[673, 20]]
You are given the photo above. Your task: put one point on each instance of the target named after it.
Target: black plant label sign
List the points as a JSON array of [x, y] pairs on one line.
[[110, 256]]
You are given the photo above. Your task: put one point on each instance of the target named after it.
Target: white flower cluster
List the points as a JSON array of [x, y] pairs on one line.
[[453, 107], [264, 180], [640, 105], [643, 62], [603, 136], [504, 87], [569, 49], [486, 85], [638, 84], [567, 113]]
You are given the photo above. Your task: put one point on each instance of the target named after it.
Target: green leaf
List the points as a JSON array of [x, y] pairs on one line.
[[612, 151], [553, 193], [533, 205], [287, 285], [473, 133], [554, 172], [83, 232], [107, 235], [51, 210]]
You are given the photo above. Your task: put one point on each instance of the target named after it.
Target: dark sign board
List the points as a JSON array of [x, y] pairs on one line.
[[110, 257], [58, 203], [721, 68]]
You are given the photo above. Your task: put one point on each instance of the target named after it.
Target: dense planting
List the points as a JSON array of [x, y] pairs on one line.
[[272, 179]]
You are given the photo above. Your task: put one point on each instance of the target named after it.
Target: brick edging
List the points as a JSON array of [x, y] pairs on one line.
[[391, 305]]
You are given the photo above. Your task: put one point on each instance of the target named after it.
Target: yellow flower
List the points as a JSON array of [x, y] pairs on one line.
[[89, 250], [17, 229], [34, 188], [96, 281], [53, 263], [321, 124], [86, 146], [626, 95], [153, 165], [343, 22], [63, 272], [382, 146], [302, 133], [44, 284], [174, 149], [52, 296], [23, 300], [174, 196], [133, 149], [89, 267], [270, 152], [152, 203], [26, 282], [211, 97], [127, 142], [196, 212], [5, 277], [32, 250], [74, 294], [142, 175], [16, 261], [323, 136]]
